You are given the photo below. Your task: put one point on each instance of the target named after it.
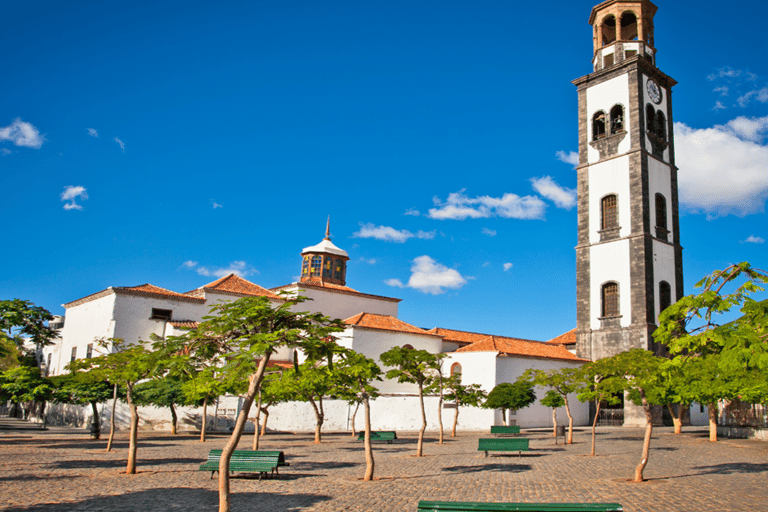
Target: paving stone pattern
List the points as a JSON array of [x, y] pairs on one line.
[[63, 470]]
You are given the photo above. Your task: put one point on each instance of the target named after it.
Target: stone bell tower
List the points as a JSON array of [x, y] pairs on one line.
[[628, 257]]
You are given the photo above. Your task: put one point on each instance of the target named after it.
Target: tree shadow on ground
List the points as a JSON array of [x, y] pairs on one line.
[[187, 499], [117, 463], [47, 478], [733, 467], [326, 465], [506, 468]]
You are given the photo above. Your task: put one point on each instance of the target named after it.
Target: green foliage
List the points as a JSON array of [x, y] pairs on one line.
[[513, 396], [21, 319], [410, 366], [162, 392], [598, 384], [25, 384], [126, 367], [470, 395], [552, 399], [77, 389]]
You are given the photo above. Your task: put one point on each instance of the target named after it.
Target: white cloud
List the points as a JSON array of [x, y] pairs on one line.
[[752, 239], [760, 95], [507, 266], [723, 90], [570, 157], [728, 73], [722, 170], [428, 276], [23, 134], [412, 211], [489, 232], [93, 132], [458, 206], [5, 151], [562, 197], [390, 234], [370, 261], [121, 143], [719, 106], [71, 195], [216, 205], [239, 268]]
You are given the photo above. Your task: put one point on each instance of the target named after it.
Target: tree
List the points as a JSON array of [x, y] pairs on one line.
[[25, 385], [20, 319], [437, 387], [637, 372], [248, 331], [357, 372], [311, 382], [79, 390], [722, 355], [462, 395], [564, 381], [512, 396], [413, 367], [166, 391], [127, 368], [598, 387], [554, 400]]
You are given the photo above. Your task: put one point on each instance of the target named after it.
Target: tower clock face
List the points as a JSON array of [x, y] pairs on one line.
[[654, 91]]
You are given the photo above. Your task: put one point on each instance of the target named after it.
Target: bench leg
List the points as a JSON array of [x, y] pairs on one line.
[[212, 472], [486, 454]]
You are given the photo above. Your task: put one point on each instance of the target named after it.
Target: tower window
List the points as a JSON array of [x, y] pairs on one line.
[[608, 28], [455, 369], [338, 271], [328, 268], [610, 214], [629, 26], [610, 299], [316, 267], [665, 296], [598, 125], [661, 125], [617, 119], [650, 118], [305, 266], [661, 217]]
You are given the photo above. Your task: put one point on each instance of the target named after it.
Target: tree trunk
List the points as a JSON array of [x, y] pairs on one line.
[[554, 423], [455, 420], [677, 418], [264, 423], [570, 421], [318, 408], [420, 445], [440, 416], [174, 420], [712, 410], [237, 432], [369, 463], [647, 440], [594, 427], [204, 420], [112, 420], [256, 424], [95, 423], [131, 467], [357, 406]]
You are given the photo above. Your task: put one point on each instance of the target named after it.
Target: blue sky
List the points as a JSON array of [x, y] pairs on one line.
[[173, 142]]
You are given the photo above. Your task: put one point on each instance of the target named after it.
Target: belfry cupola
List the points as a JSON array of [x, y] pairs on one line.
[[622, 29], [324, 262]]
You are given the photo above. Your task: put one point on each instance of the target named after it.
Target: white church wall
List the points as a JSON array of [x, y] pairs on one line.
[[476, 368], [82, 325], [610, 262], [132, 316], [344, 305], [603, 97]]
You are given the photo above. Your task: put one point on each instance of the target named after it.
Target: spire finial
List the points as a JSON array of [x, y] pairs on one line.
[[328, 229]]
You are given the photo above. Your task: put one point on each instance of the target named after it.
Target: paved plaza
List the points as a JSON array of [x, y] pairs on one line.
[[63, 470]]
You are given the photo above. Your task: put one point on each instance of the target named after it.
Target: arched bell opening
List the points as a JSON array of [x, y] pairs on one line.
[[608, 29], [629, 30]]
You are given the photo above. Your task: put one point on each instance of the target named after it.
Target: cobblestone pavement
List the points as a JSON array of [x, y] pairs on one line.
[[63, 470]]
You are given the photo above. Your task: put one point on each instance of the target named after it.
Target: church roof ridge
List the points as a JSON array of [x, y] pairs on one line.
[[234, 284], [384, 323]]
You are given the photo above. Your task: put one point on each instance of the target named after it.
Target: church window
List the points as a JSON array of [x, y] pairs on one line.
[[455, 369], [74, 354], [661, 217], [610, 299], [328, 268], [305, 266], [161, 314], [665, 296], [317, 262], [608, 29], [629, 26], [661, 125], [598, 125], [610, 214], [338, 269], [617, 119], [650, 118], [608, 60], [89, 351]]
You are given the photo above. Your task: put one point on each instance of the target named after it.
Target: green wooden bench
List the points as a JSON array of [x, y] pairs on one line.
[[250, 461], [379, 436], [468, 506], [503, 444], [505, 430]]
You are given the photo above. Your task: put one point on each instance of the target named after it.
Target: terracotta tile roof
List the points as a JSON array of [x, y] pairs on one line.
[[318, 285], [235, 285], [385, 323], [519, 347], [152, 290], [567, 338], [184, 324], [461, 337]]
